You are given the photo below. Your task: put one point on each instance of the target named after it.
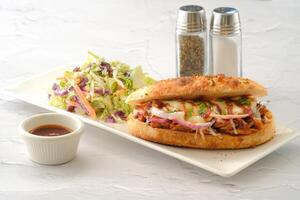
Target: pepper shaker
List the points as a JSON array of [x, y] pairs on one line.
[[191, 44], [225, 40]]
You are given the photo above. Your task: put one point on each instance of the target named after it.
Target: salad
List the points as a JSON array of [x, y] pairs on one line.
[[98, 89]]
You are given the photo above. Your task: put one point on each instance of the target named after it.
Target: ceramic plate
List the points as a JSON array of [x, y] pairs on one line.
[[222, 162]]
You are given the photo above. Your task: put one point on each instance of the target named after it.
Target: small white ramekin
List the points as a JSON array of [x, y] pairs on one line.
[[51, 150]]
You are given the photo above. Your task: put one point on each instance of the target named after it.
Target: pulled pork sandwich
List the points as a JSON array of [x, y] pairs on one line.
[[208, 112]]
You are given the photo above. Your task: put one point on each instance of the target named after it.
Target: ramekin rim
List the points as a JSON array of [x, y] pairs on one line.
[[26, 133]]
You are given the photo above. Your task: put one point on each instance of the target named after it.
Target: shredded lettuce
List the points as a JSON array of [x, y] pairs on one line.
[[245, 101], [202, 108], [59, 102], [105, 86], [139, 79]]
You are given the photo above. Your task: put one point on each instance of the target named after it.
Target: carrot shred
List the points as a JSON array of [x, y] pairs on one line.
[[84, 101]]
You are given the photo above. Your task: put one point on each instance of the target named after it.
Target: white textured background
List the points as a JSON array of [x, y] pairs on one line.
[[36, 36]]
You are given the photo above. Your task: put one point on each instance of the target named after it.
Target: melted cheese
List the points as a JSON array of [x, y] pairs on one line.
[[186, 106], [165, 115], [255, 111], [236, 110], [196, 119], [176, 115], [175, 106], [222, 105]]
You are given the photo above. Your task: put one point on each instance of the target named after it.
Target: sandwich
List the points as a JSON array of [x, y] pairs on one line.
[[207, 112]]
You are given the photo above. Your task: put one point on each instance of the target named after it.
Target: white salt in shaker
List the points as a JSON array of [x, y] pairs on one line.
[[225, 40]]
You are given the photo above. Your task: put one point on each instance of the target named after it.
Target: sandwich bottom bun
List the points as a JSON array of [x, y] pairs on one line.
[[187, 139]]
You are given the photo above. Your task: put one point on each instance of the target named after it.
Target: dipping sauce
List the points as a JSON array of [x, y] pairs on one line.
[[50, 130]]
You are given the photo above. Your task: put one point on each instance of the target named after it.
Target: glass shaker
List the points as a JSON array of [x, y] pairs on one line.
[[191, 45], [225, 40]]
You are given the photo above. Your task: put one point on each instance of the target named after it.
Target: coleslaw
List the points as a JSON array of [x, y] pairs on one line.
[[98, 89]]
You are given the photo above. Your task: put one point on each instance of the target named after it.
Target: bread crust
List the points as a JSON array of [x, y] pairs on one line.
[[186, 139], [197, 86]]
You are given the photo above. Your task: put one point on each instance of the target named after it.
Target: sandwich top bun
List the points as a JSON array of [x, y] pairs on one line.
[[197, 86]]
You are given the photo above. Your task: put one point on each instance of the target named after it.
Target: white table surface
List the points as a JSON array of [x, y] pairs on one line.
[[37, 36]]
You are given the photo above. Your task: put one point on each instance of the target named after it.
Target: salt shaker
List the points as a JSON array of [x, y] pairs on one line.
[[225, 40], [191, 44]]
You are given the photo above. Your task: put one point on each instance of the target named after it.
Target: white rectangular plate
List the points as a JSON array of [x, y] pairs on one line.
[[222, 162]]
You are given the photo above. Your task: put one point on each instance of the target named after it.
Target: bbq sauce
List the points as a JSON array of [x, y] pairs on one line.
[[50, 130]]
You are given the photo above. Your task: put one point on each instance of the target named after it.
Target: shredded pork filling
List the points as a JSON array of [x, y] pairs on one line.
[[238, 115]]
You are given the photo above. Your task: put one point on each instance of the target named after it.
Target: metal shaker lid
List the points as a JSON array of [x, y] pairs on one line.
[[225, 21], [191, 18]]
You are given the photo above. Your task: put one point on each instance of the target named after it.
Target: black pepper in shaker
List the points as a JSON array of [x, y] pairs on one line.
[[191, 45]]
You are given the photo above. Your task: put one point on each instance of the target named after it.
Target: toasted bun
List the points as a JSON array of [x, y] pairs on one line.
[[197, 86], [186, 139]]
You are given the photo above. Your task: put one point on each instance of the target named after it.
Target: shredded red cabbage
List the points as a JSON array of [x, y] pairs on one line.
[[83, 83], [193, 126], [110, 119], [58, 91], [102, 91], [120, 114], [76, 69], [106, 66], [76, 98]]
